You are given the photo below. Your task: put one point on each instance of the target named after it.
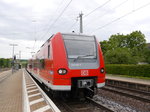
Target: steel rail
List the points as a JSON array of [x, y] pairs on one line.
[[126, 88], [103, 106], [127, 94]]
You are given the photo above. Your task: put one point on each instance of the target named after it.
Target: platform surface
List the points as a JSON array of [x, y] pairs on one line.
[[11, 92], [133, 80], [18, 94]]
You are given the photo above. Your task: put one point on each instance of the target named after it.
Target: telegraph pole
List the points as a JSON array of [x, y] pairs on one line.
[[81, 23], [13, 55]]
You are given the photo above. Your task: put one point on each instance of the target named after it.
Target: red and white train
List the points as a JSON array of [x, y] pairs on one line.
[[69, 62]]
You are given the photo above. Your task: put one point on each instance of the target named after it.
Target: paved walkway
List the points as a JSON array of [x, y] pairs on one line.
[[134, 80], [11, 93]]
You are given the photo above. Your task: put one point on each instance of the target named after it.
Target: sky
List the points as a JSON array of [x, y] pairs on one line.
[[29, 23]]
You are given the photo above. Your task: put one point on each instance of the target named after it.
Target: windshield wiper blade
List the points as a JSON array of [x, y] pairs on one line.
[[82, 56]]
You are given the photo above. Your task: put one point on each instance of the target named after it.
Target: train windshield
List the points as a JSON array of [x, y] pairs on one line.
[[80, 46]]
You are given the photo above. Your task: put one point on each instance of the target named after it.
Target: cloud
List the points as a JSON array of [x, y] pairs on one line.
[[24, 21]]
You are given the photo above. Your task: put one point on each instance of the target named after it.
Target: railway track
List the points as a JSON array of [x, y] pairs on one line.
[[97, 104], [87, 105], [130, 89], [139, 95], [103, 106]]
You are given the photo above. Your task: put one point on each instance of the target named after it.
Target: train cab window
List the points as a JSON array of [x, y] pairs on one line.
[[48, 51], [80, 47]]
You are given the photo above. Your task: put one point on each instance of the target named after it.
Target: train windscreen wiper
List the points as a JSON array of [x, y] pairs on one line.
[[83, 56]]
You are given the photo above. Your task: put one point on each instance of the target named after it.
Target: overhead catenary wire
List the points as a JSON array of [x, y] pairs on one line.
[[143, 6], [51, 18], [96, 8], [89, 13], [47, 23], [72, 25], [50, 27], [122, 3]]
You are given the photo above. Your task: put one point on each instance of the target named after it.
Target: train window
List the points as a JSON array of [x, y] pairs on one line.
[[81, 47], [48, 51], [42, 63], [35, 63]]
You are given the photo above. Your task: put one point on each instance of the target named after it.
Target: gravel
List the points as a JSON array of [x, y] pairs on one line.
[[122, 103], [113, 105]]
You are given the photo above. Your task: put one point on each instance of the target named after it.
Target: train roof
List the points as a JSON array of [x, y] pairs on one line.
[[72, 34], [80, 34]]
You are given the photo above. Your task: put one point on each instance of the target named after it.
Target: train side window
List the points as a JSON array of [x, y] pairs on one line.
[[48, 51], [42, 63]]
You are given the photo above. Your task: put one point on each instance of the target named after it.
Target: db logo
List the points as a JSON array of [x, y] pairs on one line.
[[84, 72]]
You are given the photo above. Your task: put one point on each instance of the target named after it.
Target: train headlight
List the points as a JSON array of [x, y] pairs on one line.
[[102, 70], [62, 71]]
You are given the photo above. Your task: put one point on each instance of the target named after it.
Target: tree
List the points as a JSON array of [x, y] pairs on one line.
[[4, 63], [147, 55], [134, 43], [119, 56], [104, 45], [1, 63], [136, 40], [116, 41]]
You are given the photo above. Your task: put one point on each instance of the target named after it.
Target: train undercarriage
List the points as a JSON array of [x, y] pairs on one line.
[[81, 87]]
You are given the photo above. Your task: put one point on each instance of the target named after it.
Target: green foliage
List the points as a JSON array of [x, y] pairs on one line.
[[131, 70], [124, 49], [24, 63], [147, 55], [119, 56], [5, 63], [136, 40], [104, 45]]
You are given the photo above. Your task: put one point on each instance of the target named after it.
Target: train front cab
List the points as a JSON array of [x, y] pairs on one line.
[[81, 56]]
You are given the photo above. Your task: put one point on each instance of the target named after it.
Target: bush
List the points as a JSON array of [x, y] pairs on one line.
[[131, 70]]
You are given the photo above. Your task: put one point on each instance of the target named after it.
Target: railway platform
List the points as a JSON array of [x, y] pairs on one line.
[[127, 79], [125, 82], [11, 91], [20, 93]]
